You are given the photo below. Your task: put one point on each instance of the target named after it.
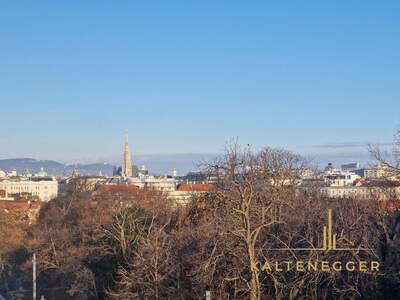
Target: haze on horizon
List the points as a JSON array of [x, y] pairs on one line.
[[317, 78]]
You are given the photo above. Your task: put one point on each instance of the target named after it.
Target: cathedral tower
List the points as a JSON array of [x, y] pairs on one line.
[[127, 160]]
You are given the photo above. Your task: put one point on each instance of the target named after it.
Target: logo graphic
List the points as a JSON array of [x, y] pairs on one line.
[[323, 264], [329, 240]]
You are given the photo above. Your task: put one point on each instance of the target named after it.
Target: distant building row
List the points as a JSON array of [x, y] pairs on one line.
[[35, 187]]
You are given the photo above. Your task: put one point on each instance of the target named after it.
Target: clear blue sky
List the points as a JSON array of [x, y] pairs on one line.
[[187, 76]]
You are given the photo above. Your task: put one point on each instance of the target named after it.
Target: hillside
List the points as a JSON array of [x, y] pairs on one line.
[[53, 167]]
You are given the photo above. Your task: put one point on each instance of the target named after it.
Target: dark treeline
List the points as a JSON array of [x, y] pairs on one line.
[[137, 245]]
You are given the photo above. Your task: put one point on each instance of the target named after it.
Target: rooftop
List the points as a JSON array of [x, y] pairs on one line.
[[196, 187]]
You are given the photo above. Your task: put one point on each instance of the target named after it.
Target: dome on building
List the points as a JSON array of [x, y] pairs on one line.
[[41, 173]]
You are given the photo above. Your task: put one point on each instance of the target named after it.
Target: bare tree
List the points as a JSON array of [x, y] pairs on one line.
[[151, 271], [388, 159], [251, 188], [259, 207]]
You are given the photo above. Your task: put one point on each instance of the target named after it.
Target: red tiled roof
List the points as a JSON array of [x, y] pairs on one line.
[[391, 204], [196, 187]]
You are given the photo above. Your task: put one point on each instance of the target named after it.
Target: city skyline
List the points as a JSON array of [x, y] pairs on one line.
[[184, 163]]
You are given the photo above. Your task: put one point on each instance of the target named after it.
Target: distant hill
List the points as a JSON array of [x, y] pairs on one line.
[[156, 164], [53, 167]]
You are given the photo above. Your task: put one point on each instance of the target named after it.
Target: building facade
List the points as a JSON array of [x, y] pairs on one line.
[[43, 188], [362, 192], [340, 178]]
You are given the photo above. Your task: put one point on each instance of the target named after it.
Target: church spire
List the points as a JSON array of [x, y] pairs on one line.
[[127, 160]]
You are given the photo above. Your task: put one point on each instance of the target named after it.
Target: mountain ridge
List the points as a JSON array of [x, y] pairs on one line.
[[156, 164], [53, 167]]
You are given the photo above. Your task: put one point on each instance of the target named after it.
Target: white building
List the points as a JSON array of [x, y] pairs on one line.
[[163, 184], [376, 193], [340, 178], [345, 191], [180, 197], [45, 188]]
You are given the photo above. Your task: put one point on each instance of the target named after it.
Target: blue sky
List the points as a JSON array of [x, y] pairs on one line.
[[188, 76]]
